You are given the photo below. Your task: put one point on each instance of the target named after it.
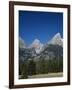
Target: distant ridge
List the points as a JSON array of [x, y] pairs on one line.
[[21, 43]]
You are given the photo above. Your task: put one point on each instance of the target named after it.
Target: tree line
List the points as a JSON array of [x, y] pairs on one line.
[[31, 67]]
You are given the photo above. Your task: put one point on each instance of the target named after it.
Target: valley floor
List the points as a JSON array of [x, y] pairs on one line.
[[49, 75], [59, 74]]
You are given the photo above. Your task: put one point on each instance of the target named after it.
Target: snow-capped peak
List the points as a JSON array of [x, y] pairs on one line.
[[36, 41], [57, 36], [37, 45], [56, 40]]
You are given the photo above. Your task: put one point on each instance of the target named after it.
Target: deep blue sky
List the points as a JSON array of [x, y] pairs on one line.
[[39, 25]]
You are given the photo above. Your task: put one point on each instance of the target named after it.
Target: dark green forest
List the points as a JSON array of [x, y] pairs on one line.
[[40, 67]]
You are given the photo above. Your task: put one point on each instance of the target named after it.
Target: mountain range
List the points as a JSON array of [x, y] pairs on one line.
[[36, 51]]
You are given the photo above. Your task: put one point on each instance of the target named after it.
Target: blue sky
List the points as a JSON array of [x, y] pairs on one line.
[[39, 25]]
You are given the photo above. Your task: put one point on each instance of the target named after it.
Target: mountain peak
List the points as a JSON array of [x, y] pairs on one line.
[[57, 35], [56, 40], [36, 41], [37, 45]]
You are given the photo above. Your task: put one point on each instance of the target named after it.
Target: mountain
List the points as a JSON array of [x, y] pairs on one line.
[[37, 45], [56, 40], [51, 52], [26, 54], [37, 51], [21, 43]]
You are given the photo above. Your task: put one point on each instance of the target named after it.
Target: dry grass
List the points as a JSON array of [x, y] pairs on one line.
[[49, 75]]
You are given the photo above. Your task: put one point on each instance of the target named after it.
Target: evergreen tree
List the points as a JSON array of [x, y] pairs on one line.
[[31, 67], [24, 71]]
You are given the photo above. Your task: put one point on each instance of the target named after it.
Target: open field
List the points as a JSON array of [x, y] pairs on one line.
[[49, 75]]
